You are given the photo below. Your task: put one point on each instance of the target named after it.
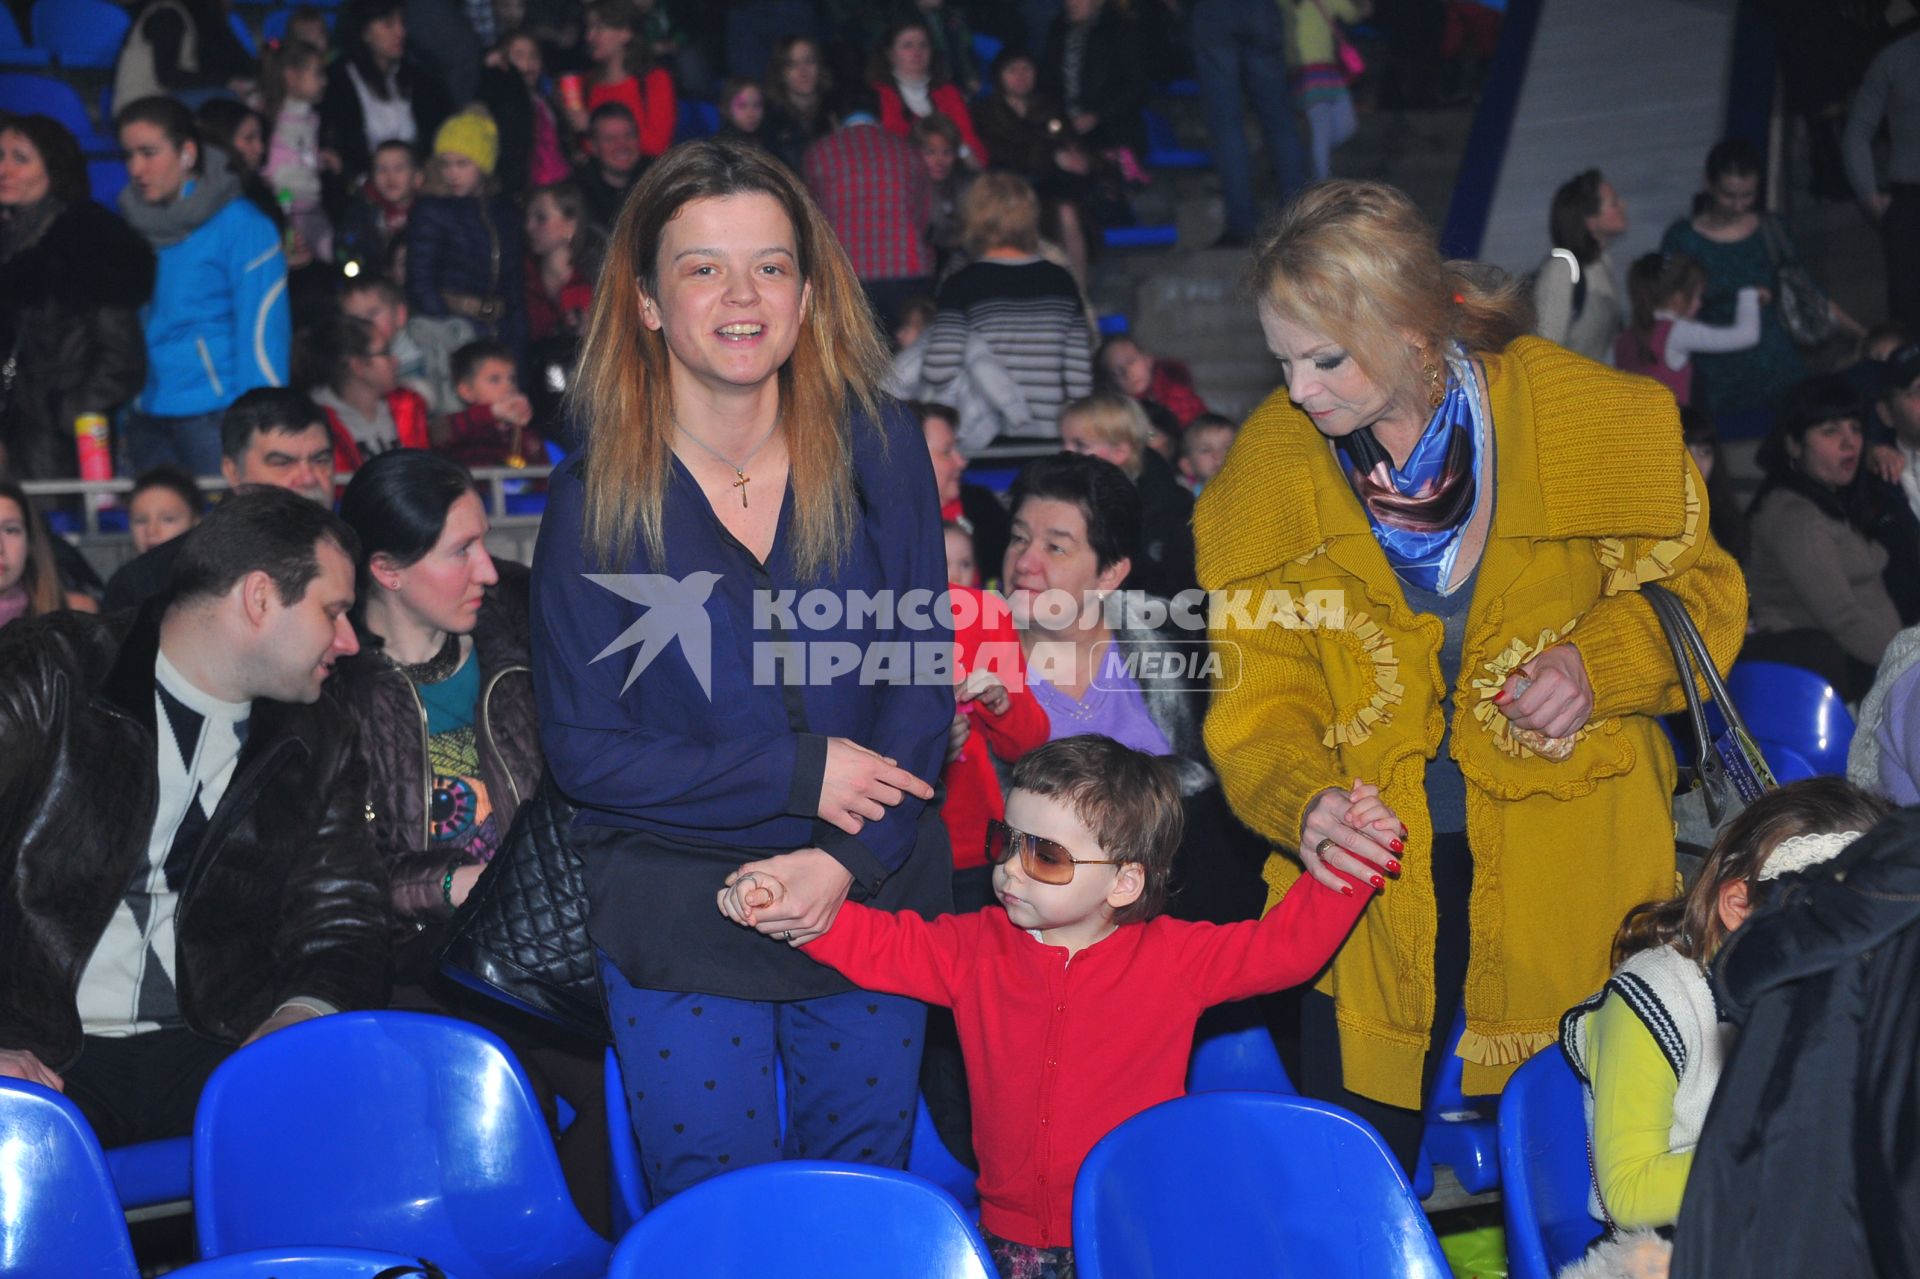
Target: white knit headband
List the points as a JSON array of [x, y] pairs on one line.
[[1802, 851]]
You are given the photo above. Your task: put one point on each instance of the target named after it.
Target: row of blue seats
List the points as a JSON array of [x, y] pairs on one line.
[[419, 1137], [75, 34]]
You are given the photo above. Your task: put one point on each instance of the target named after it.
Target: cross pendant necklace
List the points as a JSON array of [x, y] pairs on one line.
[[740, 477]]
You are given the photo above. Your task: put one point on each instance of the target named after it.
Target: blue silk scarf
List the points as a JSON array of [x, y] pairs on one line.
[[1419, 510]]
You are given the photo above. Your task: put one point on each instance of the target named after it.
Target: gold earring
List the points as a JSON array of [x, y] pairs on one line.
[[1436, 384]]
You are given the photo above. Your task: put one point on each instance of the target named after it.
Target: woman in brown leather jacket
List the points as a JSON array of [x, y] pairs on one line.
[[443, 695]]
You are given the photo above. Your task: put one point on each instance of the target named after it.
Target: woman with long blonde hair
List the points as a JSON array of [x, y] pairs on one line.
[[1445, 669], [735, 668]]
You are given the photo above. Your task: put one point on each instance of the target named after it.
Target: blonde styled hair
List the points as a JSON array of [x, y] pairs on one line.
[[1357, 261], [623, 395], [1113, 419], [999, 211]]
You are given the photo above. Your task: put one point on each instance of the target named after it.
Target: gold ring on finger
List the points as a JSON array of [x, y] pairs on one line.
[[1324, 845]]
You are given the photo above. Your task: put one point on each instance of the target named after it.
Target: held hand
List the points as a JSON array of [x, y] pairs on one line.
[[330, 160], [291, 1015], [20, 1063], [1887, 462], [746, 892], [815, 888], [1085, 122], [1877, 205], [576, 119], [988, 689], [860, 785], [1351, 832], [1550, 695], [959, 729]]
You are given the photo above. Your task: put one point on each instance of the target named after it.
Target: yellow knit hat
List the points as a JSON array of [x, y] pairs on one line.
[[472, 134]]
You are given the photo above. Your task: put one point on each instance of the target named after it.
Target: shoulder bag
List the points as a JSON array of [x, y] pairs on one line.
[[1805, 312], [522, 932], [1729, 772]]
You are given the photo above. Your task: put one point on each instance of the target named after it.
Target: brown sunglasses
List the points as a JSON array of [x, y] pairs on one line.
[[1041, 860]]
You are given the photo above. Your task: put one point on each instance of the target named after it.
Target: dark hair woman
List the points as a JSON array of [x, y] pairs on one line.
[[737, 456], [442, 691], [29, 578], [72, 280], [218, 324], [798, 85], [1576, 296], [376, 93], [1444, 667], [913, 84], [1818, 573], [1736, 239]]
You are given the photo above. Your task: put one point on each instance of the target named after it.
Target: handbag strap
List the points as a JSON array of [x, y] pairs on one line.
[[1678, 620], [1779, 247]]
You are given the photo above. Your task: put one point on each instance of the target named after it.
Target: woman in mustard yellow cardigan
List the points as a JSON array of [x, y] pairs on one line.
[[1430, 547]]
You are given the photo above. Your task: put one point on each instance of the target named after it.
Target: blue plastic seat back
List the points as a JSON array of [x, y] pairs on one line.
[[928, 1158], [1794, 708], [58, 1213], [395, 1131], [80, 33], [803, 1219], [106, 179], [13, 47], [1544, 1171], [152, 1172], [1242, 1060], [1460, 1131], [25, 93], [308, 1263], [1227, 1183]]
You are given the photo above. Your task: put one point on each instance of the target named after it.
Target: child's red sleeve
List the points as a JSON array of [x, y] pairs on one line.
[[1292, 942], [1025, 727], [895, 952]]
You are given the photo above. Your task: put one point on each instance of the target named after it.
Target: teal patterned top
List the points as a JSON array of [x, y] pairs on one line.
[[1758, 376]]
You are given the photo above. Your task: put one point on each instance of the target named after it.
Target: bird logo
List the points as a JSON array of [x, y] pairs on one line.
[[676, 609]]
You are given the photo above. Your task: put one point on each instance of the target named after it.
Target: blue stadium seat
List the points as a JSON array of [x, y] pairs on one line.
[[58, 1214], [14, 51], [1796, 709], [1240, 1183], [388, 1130], [80, 33], [152, 1172], [927, 1158], [1164, 149], [1461, 1132], [803, 1219], [106, 178], [23, 93], [1242, 1060], [1140, 237], [307, 1263], [243, 33], [1543, 1164], [1114, 323]]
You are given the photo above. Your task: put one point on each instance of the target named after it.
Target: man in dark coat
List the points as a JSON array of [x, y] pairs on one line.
[[185, 864]]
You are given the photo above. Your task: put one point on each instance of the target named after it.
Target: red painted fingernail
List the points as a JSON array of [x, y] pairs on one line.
[[1396, 845], [1393, 867], [1377, 882], [1500, 697], [1347, 889]]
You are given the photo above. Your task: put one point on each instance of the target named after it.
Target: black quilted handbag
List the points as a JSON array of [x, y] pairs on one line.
[[523, 929]]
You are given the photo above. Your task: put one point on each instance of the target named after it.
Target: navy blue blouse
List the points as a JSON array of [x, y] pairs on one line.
[[711, 754]]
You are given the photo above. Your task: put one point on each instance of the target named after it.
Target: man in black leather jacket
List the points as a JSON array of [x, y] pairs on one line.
[[184, 856]]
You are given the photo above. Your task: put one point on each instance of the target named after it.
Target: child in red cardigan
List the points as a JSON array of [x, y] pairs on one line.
[[1075, 1001], [1004, 721], [494, 429]]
